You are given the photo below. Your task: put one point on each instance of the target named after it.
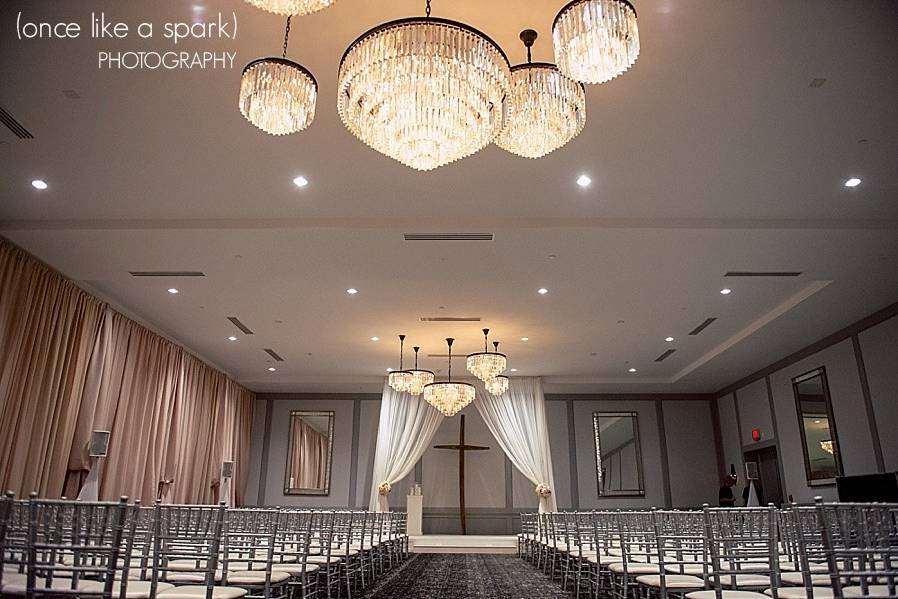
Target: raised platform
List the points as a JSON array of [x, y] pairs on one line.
[[463, 544]]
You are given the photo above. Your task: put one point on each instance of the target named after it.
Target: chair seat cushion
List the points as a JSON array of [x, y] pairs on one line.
[[745, 580], [634, 568], [256, 577], [198, 591], [190, 577], [323, 559], [725, 595], [136, 589], [802, 592], [672, 581], [59, 584], [295, 569], [873, 590], [817, 580], [603, 560], [692, 569]]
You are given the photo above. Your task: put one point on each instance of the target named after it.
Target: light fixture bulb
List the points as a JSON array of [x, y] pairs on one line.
[[375, 339], [172, 290], [352, 291], [232, 338], [668, 339], [525, 338], [39, 184], [300, 181], [542, 291], [584, 181], [631, 370], [852, 182], [726, 291], [271, 369]]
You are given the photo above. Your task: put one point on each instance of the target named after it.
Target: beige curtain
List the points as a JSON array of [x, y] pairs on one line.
[[70, 365]]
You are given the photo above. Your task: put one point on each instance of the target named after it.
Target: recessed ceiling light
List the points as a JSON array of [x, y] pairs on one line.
[[632, 370], [852, 182], [583, 181], [232, 338], [172, 290], [352, 291], [816, 422], [668, 339], [300, 181], [39, 184], [375, 339], [514, 370], [525, 338], [542, 291], [726, 291], [271, 369]]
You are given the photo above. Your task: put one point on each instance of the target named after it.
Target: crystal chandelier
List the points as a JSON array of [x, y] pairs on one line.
[[595, 40], [418, 379], [486, 364], [400, 380], [278, 95], [287, 8], [497, 385], [449, 396], [545, 109], [424, 91], [827, 446]]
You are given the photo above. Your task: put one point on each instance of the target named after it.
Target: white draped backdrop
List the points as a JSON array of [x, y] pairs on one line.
[[407, 426], [517, 419]]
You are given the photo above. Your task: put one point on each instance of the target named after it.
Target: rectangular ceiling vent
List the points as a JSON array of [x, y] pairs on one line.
[[448, 236], [274, 355], [665, 355], [763, 273], [236, 322], [13, 125], [166, 273], [450, 319], [702, 326]]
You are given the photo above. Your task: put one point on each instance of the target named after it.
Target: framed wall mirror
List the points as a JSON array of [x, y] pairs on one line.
[[820, 447], [618, 454], [310, 453]]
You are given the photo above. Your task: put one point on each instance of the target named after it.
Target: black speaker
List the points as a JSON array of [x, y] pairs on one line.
[[227, 470], [869, 487], [99, 444]]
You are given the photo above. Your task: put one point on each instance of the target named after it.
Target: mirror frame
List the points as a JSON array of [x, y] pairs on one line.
[[598, 442], [330, 453], [837, 454]]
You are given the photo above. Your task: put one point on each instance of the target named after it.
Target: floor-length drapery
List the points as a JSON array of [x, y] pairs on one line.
[[517, 419], [406, 428]]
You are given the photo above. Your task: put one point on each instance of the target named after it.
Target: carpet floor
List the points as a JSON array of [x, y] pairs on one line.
[[465, 576]]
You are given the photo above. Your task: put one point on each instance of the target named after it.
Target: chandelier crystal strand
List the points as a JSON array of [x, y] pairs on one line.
[[278, 95], [424, 91], [546, 110], [449, 397], [497, 385], [595, 40], [399, 380], [485, 365], [418, 378], [288, 8]]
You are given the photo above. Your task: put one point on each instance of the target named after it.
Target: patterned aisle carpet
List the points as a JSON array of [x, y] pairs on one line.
[[465, 576]]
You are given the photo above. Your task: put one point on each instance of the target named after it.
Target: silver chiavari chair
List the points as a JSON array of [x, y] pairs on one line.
[[606, 543], [638, 553], [292, 551], [527, 536], [804, 572], [683, 561], [248, 553], [321, 552]]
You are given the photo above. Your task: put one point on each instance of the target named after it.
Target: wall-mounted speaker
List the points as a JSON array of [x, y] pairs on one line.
[[99, 444], [227, 470]]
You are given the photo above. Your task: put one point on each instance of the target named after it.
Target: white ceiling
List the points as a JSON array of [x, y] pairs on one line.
[[711, 154]]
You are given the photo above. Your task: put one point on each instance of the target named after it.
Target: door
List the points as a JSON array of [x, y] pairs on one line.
[[769, 486]]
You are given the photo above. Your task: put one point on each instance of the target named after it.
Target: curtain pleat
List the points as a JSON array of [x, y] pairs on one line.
[[70, 365]]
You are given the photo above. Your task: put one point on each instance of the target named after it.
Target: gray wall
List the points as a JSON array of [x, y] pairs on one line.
[[676, 438], [861, 365]]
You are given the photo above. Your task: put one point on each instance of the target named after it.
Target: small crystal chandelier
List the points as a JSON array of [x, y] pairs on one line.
[[595, 40], [497, 385], [288, 8], [449, 396], [418, 379], [424, 91], [827, 446], [400, 380], [486, 364], [546, 110], [278, 95]]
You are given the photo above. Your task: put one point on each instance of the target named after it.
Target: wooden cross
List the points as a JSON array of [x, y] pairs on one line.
[[461, 448]]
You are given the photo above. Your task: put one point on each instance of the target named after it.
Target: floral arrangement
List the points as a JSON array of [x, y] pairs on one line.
[[543, 490], [384, 488]]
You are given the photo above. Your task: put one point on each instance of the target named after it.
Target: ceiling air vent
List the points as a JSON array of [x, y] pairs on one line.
[[448, 236], [166, 273], [13, 125], [702, 326], [665, 355], [236, 322], [763, 273], [450, 319], [273, 354]]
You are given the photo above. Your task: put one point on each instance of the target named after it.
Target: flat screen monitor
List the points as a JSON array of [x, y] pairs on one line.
[[869, 487]]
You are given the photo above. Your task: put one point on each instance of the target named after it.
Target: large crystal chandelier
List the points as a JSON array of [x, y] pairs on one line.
[[449, 396], [424, 91], [291, 7], [400, 380], [278, 95], [418, 378], [545, 109], [497, 385], [486, 364], [595, 40]]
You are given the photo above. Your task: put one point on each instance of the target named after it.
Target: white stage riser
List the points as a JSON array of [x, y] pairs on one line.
[[483, 544]]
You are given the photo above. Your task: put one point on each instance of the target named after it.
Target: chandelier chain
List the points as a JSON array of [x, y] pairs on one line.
[[286, 37], [427, 9]]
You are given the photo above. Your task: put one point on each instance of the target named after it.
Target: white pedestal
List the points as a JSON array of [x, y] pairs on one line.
[[414, 506]]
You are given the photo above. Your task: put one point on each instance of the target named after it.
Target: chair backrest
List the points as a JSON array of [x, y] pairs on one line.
[[743, 541], [187, 532]]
